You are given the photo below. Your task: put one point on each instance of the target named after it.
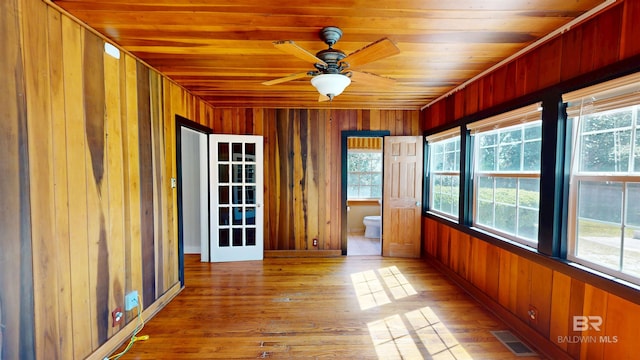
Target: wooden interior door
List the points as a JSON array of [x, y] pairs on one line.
[[402, 196]]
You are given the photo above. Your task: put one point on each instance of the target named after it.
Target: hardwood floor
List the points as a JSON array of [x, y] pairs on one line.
[[315, 308]]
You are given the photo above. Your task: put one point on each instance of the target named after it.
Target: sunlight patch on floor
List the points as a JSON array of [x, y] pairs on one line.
[[396, 282], [392, 339], [435, 336], [369, 290], [426, 337], [416, 334]]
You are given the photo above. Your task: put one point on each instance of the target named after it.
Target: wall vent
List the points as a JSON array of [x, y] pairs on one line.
[[512, 343]]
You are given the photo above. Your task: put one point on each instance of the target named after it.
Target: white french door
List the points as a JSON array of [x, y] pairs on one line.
[[236, 193]]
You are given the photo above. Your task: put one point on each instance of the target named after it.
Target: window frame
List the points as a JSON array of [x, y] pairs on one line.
[[439, 137], [554, 184], [381, 173], [609, 96], [517, 118]]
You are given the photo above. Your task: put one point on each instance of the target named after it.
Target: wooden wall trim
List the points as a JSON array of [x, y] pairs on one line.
[[301, 253], [523, 330], [363, 202], [127, 331]]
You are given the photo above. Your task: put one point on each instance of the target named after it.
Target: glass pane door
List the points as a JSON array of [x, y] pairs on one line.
[[236, 197]]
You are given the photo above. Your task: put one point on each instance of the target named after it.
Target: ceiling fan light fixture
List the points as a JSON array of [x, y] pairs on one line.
[[330, 85]]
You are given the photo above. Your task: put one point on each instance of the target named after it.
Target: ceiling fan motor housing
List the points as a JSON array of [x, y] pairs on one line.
[[332, 58]]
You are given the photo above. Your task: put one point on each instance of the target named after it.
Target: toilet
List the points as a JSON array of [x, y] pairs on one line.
[[372, 226]]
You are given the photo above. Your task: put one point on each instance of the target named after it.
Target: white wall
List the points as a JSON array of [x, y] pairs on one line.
[[192, 192], [356, 214]]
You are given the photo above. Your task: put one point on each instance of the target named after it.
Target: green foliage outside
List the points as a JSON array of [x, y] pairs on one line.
[[606, 142], [364, 176], [505, 209]]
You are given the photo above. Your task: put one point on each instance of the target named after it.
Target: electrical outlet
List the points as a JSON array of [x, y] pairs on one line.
[[116, 316], [131, 300], [533, 314]]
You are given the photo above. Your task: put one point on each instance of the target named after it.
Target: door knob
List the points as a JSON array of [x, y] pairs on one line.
[[417, 203]]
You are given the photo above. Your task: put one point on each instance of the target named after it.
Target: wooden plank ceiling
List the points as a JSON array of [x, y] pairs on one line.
[[223, 51]]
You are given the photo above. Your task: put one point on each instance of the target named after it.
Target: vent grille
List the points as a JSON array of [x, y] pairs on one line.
[[513, 343]]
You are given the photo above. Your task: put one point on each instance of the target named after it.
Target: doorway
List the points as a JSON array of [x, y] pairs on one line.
[[193, 190], [362, 191], [220, 214]]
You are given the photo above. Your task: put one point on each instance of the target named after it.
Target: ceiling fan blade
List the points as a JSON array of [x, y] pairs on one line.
[[286, 78], [292, 48], [322, 98], [375, 51], [372, 79]]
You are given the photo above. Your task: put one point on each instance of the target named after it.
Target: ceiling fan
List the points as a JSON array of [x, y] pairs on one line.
[[333, 67]]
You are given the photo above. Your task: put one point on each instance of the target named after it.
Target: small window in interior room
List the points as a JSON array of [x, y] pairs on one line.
[[506, 174], [604, 192], [364, 168], [444, 172]]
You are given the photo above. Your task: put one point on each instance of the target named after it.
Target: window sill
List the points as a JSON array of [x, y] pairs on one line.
[[441, 216]]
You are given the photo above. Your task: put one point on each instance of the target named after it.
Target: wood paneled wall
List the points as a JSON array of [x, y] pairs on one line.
[[302, 166], [88, 152], [513, 281], [303, 171], [88, 214], [516, 283], [16, 279]]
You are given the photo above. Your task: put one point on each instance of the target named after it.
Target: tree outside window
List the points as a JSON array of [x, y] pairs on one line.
[[605, 189], [364, 172], [508, 180], [506, 174], [444, 173]]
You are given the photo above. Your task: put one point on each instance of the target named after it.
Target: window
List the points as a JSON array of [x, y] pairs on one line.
[[444, 172], [506, 173], [364, 174], [604, 215]]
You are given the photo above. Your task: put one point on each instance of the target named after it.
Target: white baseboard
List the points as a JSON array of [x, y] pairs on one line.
[[191, 249]]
